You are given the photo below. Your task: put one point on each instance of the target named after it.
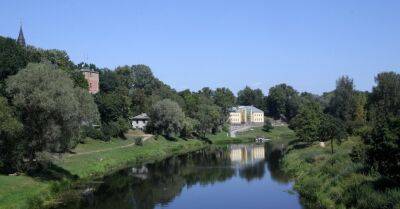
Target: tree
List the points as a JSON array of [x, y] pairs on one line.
[[208, 119], [268, 126], [13, 57], [283, 101], [166, 118], [383, 142], [343, 103], [306, 124], [331, 129], [248, 96], [188, 127], [225, 99], [10, 128], [48, 105]]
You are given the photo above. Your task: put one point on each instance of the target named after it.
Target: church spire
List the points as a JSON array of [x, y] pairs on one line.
[[21, 39]]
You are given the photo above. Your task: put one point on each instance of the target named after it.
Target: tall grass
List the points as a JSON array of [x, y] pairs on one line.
[[335, 182]]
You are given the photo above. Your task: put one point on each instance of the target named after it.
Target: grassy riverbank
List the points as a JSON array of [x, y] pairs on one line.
[[90, 161], [97, 158], [334, 181]]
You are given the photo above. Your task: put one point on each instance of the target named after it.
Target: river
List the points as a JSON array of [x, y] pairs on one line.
[[232, 177]]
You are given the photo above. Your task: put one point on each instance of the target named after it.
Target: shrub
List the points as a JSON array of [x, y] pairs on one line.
[[138, 141], [267, 126], [92, 132]]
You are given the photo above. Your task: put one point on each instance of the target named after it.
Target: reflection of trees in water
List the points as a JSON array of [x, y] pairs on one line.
[[165, 181], [274, 155], [256, 171]]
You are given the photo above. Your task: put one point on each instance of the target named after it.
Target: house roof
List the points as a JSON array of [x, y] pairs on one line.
[[142, 116], [247, 108]]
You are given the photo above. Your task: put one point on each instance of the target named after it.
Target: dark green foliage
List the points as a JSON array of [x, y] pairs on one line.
[[115, 128], [249, 96], [188, 127], [10, 130], [224, 98], [383, 142], [267, 126], [348, 105], [166, 118], [113, 106], [307, 123], [283, 102], [50, 109], [93, 132], [208, 119], [331, 129], [13, 57]]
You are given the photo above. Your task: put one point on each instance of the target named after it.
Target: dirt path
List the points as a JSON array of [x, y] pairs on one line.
[[145, 137]]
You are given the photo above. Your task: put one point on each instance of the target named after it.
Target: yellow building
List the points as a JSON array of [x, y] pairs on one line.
[[246, 114]]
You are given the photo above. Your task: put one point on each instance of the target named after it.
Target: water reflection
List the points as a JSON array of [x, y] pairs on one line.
[[216, 175]]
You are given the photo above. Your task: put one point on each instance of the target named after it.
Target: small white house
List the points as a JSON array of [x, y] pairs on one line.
[[140, 121]]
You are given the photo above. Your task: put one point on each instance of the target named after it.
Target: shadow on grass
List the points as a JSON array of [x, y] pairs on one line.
[[52, 172], [297, 144]]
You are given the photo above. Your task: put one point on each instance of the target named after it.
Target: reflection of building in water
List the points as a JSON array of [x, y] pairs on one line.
[[245, 154]]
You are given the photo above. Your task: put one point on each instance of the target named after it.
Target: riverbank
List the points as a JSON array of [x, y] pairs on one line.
[[97, 158], [18, 192], [335, 181]]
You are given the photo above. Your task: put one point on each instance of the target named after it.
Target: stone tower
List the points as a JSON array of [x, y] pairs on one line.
[[92, 77], [21, 38]]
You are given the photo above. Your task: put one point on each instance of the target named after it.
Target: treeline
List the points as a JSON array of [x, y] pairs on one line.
[[45, 107], [345, 111]]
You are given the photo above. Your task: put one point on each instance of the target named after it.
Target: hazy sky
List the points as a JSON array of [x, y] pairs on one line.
[[191, 44]]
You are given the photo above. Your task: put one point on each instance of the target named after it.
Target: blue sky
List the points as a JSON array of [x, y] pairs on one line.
[[191, 44]]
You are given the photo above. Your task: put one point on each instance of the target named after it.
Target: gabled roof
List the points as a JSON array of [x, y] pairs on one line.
[[142, 116]]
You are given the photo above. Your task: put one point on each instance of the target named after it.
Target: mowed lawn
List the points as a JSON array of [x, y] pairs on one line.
[[15, 190], [99, 163], [280, 134]]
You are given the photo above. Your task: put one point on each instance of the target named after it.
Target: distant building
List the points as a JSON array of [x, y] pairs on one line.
[[140, 121], [92, 77], [245, 115], [21, 38]]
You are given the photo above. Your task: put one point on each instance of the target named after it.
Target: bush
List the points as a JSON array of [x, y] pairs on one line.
[[138, 141], [116, 128], [94, 133], [267, 126]]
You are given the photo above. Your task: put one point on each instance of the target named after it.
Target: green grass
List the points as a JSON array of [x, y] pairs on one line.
[[335, 181], [15, 190], [105, 157], [99, 163], [282, 135]]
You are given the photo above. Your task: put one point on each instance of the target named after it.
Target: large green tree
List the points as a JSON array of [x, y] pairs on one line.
[[10, 128], [307, 122], [383, 142], [283, 102], [331, 129], [49, 107], [249, 96], [166, 118], [208, 118], [343, 102]]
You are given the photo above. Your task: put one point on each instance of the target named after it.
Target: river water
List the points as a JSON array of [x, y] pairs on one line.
[[230, 177]]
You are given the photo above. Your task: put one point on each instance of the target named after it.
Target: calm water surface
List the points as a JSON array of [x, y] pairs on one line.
[[231, 177]]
